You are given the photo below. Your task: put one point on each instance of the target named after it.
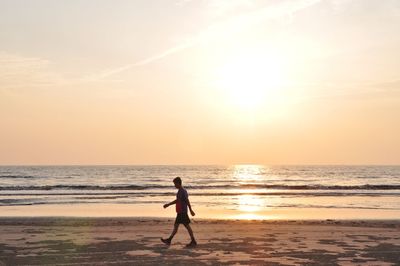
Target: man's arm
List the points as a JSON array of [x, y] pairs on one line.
[[169, 204], [190, 207]]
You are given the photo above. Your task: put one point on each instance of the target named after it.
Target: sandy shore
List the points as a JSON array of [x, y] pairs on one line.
[[135, 241]]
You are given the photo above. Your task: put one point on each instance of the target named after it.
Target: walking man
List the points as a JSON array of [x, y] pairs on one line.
[[181, 204]]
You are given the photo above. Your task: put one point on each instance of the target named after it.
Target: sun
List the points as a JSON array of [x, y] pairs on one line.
[[250, 81]]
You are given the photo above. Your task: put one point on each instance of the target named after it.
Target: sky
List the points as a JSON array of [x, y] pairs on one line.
[[199, 82]]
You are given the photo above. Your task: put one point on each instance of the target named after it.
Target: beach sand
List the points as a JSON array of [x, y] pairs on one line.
[[136, 241]]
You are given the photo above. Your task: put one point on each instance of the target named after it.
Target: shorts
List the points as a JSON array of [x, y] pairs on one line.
[[182, 218]]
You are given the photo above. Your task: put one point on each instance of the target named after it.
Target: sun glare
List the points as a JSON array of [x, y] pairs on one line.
[[250, 81]]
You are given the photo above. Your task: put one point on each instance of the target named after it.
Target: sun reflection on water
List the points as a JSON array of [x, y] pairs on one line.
[[248, 203], [245, 173]]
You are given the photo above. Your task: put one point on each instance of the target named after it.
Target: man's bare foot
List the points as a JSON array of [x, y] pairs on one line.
[[166, 241], [192, 244]]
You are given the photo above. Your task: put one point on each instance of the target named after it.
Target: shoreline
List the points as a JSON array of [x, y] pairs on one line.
[[202, 212], [123, 220]]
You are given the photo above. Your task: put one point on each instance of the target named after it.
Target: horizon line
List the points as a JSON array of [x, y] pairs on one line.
[[225, 165]]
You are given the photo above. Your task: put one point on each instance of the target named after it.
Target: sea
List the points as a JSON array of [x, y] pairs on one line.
[[240, 188]]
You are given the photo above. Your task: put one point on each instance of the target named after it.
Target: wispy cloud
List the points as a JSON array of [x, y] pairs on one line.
[[384, 89], [110, 72], [218, 8], [233, 25], [20, 72], [390, 88]]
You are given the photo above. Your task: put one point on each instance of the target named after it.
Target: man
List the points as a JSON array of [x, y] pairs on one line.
[[181, 204]]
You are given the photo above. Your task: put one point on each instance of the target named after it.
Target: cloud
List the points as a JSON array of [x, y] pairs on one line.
[[19, 72], [388, 87], [110, 72], [228, 27], [223, 7]]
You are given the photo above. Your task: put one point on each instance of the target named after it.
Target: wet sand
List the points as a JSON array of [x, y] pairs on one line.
[[136, 241]]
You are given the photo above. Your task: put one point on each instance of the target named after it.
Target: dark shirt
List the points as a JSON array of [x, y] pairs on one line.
[[181, 201]]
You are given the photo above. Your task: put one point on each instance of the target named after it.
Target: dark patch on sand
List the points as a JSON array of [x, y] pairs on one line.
[[315, 257], [385, 252], [102, 238], [377, 238], [297, 239], [33, 231]]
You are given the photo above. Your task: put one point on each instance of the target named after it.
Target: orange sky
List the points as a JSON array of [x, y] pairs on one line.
[[199, 82]]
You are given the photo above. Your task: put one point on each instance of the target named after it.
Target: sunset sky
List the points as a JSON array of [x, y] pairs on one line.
[[200, 82]]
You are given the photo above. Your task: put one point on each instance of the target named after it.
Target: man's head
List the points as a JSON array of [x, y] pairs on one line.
[[178, 182]]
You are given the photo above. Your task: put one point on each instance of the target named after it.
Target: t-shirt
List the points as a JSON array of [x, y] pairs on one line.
[[181, 201]]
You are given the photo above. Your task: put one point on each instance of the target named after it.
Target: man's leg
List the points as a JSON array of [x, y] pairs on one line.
[[190, 232], [168, 240], [176, 226]]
